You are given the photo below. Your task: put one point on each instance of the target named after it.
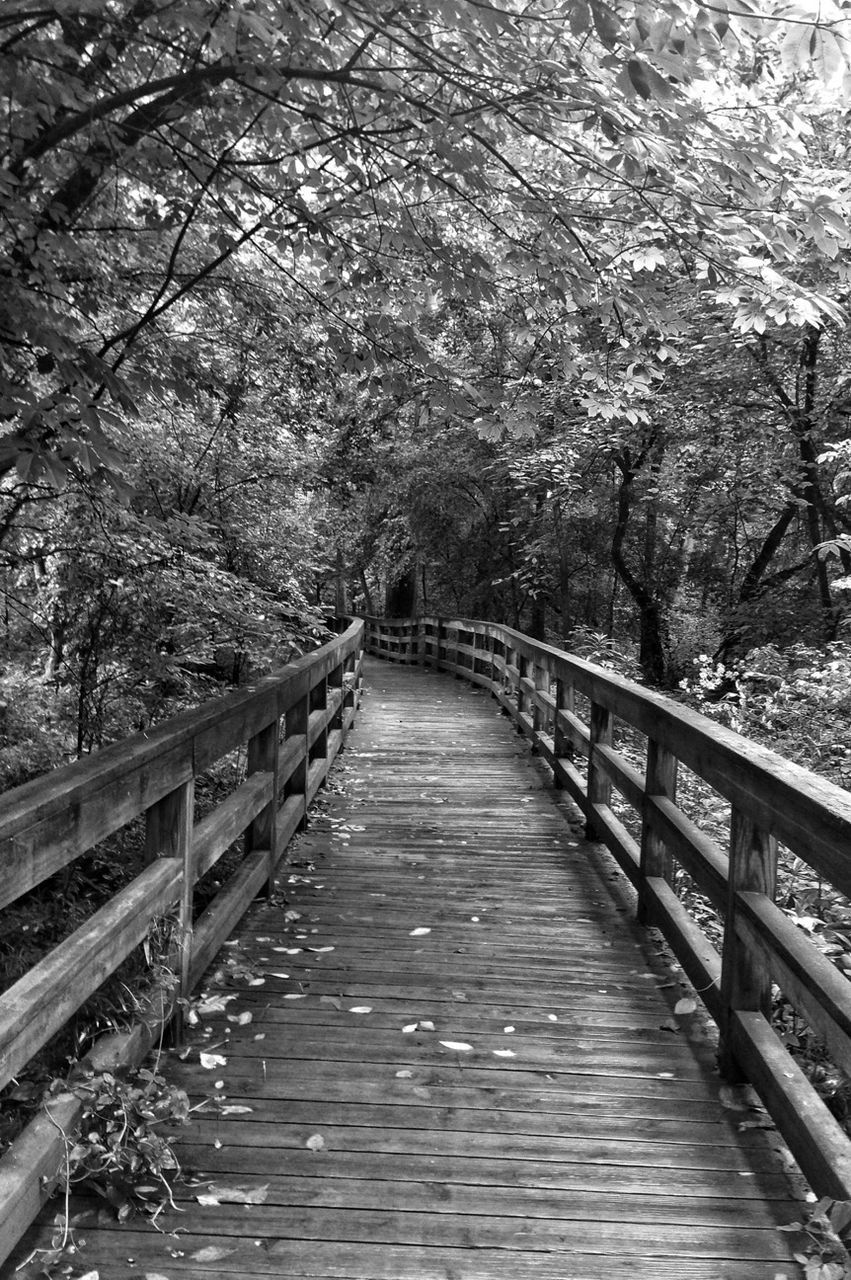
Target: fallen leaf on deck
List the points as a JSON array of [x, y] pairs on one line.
[[361, 1008], [458, 1045], [552, 1017], [241, 1019], [412, 1026], [220, 1194], [256, 982], [234, 1109], [319, 950], [315, 1143], [261, 1035], [332, 1000], [427, 1026], [279, 975], [404, 1075], [686, 1005], [150, 1275], [418, 933], [508, 1030], [504, 1053], [212, 1253], [295, 995], [215, 1004], [210, 1060], [91, 1275]]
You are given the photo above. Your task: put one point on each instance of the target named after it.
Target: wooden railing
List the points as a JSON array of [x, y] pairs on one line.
[[770, 800], [292, 724]]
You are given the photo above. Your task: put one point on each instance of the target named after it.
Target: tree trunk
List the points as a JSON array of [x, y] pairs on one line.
[[401, 597], [651, 646]]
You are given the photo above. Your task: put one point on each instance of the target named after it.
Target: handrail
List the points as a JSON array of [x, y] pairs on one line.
[[771, 799], [294, 723]]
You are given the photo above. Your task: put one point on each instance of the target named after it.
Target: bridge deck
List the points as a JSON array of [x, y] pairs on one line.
[[577, 1129]]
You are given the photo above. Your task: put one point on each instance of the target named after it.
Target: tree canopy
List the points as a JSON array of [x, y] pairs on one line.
[[532, 309]]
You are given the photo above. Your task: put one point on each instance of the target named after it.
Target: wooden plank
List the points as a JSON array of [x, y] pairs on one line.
[[227, 822], [38, 1004], [815, 1138], [50, 821], [702, 857], [582, 1133], [821, 994]]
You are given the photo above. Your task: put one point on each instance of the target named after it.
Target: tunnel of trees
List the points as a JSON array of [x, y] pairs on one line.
[[532, 311]]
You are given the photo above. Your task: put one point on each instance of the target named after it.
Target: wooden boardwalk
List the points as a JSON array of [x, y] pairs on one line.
[[462, 1060]]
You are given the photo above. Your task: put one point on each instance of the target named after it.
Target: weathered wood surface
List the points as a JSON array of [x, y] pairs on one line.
[[604, 1148]]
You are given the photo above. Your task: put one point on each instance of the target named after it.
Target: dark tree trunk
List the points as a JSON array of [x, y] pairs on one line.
[[651, 645], [401, 598]]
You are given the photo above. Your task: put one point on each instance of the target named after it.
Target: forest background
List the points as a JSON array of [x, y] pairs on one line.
[[533, 311]]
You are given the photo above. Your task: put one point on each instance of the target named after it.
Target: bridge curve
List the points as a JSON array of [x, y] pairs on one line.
[[463, 1058]]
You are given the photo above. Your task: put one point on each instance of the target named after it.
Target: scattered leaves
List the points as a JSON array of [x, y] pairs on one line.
[[211, 1060], [221, 1193]]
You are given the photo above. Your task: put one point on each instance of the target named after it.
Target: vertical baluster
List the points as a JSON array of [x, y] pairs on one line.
[[660, 780], [168, 834], [599, 787], [745, 975], [261, 834]]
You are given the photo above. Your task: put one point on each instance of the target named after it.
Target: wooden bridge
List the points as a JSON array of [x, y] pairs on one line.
[[441, 1045]]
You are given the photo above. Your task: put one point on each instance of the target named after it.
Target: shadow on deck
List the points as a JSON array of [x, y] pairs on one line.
[[447, 1051]]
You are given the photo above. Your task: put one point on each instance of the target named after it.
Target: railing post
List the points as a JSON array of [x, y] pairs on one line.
[[168, 834], [438, 644], [562, 744], [490, 644], [660, 780], [745, 975], [599, 787], [263, 758], [350, 686], [335, 683], [522, 664], [296, 723], [539, 713], [318, 701]]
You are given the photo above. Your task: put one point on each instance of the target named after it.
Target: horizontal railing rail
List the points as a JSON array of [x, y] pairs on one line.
[[770, 800], [291, 724]]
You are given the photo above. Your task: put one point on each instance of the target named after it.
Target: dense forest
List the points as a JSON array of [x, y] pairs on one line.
[[533, 311], [524, 311]]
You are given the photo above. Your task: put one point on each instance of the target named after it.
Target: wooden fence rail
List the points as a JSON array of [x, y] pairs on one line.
[[770, 800], [293, 723]]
